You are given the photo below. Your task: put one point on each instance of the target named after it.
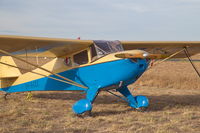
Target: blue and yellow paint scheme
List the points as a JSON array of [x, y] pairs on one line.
[[103, 73], [114, 70]]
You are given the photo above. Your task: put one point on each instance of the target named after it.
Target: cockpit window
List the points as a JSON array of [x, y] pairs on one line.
[[102, 48], [93, 51], [81, 58], [109, 46]]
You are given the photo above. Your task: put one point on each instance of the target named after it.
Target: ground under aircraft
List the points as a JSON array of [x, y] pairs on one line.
[[83, 65]]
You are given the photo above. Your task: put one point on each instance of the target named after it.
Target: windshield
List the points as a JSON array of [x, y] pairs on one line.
[[102, 48]]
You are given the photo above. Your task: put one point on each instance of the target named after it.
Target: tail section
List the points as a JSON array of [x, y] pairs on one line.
[[8, 74]]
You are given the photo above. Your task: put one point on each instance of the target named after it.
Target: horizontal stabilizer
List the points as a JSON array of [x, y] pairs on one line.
[[8, 71]]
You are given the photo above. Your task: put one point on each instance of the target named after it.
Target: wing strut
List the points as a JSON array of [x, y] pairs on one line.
[[171, 56], [16, 57], [188, 56]]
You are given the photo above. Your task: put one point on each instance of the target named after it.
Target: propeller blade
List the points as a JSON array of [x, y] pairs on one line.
[[141, 56]]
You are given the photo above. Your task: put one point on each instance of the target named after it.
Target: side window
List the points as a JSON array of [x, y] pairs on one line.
[[93, 53], [81, 58]]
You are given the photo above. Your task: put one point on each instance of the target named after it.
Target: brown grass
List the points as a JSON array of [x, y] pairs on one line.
[[173, 91], [171, 110], [179, 75]]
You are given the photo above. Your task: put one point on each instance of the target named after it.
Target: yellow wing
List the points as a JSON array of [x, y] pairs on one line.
[[40, 46], [164, 47], [55, 47]]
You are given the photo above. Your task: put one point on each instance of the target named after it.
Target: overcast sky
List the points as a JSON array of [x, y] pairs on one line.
[[102, 19]]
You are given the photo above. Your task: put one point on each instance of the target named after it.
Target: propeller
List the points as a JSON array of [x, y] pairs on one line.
[[141, 56]]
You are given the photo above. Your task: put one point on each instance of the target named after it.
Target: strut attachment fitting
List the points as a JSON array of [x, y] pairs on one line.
[[188, 56]]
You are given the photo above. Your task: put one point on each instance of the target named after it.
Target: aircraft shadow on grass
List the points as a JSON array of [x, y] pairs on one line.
[[158, 103]]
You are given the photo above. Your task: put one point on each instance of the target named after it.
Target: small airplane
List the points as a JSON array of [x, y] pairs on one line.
[[90, 66]]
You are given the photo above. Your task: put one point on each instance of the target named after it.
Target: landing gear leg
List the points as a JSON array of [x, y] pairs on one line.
[[139, 102], [84, 106], [5, 96]]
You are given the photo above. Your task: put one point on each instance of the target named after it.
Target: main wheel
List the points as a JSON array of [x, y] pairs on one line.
[[82, 106], [142, 102]]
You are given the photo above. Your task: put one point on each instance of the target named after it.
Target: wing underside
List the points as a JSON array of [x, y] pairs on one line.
[[42, 47], [164, 47]]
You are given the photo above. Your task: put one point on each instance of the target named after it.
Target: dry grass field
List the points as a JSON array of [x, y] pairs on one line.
[[173, 89]]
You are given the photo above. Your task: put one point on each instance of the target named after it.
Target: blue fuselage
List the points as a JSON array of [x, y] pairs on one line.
[[98, 76]]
